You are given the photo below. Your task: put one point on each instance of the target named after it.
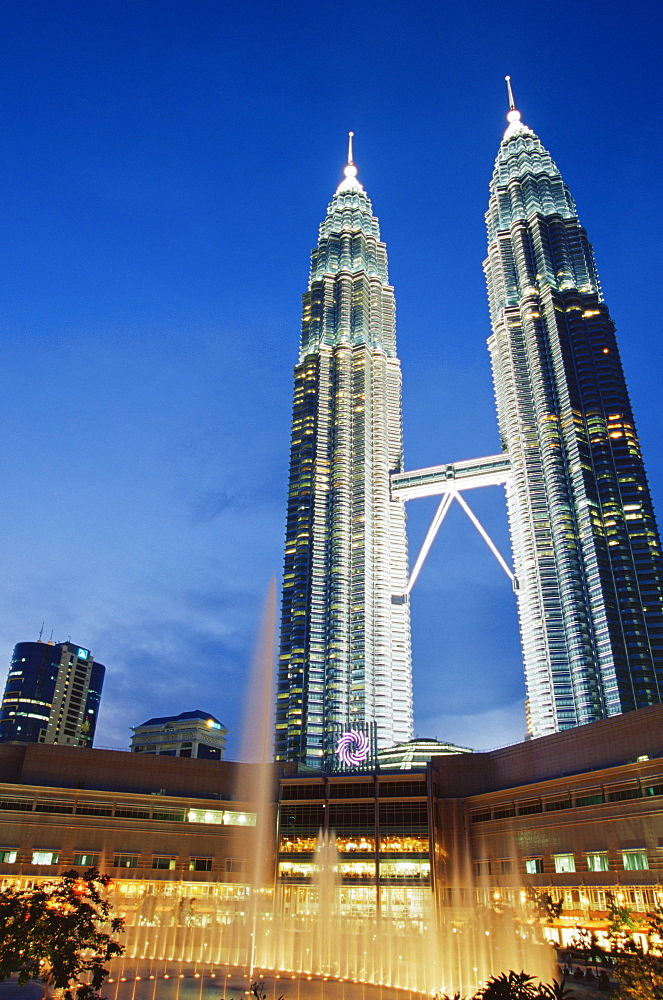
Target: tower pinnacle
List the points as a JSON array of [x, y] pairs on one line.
[[513, 115], [350, 170]]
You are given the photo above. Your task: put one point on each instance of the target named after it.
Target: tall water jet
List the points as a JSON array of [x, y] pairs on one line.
[[255, 784], [324, 950]]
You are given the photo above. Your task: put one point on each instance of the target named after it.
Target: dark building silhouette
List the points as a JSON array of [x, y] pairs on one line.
[[52, 695]]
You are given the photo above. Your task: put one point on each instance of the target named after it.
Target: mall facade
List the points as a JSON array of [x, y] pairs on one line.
[[576, 814]]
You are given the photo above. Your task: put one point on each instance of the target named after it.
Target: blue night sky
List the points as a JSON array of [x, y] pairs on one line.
[[165, 168]]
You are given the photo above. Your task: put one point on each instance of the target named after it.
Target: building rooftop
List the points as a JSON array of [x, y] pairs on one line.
[[182, 717]]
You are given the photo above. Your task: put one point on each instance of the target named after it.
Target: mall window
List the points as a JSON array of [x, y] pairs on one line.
[[356, 869], [404, 845], [635, 861], [221, 817], [349, 845], [86, 860], [200, 865], [303, 792], [125, 861], [297, 869], [598, 862], [8, 855], [292, 844], [564, 862], [404, 818], [164, 862], [405, 869], [620, 794], [534, 866], [349, 790], [590, 800], [45, 857]]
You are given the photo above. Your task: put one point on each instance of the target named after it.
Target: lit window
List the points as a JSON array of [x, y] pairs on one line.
[[165, 863], [635, 861], [86, 860], [8, 855], [534, 866], [125, 861], [597, 862], [564, 862], [200, 865], [45, 857]]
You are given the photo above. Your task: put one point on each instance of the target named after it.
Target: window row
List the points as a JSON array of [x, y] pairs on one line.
[[597, 797], [219, 817], [91, 859], [303, 844], [596, 861]]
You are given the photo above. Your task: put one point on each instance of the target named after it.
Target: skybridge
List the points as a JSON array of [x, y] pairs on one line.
[[450, 482]]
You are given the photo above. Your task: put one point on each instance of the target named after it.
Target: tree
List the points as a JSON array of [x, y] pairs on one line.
[[258, 990], [637, 966], [517, 986], [544, 906], [54, 932]]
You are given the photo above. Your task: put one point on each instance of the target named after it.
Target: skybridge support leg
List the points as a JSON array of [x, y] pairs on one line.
[[486, 537], [440, 514]]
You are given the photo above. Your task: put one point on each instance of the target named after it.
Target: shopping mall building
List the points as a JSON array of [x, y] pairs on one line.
[[577, 815]]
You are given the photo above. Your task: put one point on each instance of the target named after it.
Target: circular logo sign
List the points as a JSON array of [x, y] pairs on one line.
[[353, 747]]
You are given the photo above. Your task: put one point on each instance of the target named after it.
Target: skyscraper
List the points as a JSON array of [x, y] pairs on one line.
[[52, 695], [345, 628], [586, 547]]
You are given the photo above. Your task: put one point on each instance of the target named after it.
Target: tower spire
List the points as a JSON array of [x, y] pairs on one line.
[[350, 171], [512, 103], [513, 117]]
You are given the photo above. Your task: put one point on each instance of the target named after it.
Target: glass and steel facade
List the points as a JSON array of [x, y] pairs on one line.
[[586, 546], [52, 695], [345, 657]]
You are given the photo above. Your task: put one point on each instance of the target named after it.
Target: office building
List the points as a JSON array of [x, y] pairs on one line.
[[586, 547], [189, 734], [52, 695], [345, 660]]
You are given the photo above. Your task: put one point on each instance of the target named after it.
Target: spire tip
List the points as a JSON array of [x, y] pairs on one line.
[[513, 115], [350, 170], [512, 103]]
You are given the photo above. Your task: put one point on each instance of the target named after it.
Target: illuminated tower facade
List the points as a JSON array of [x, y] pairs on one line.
[[345, 660], [586, 547]]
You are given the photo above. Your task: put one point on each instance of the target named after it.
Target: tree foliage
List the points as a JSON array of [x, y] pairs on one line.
[[637, 962], [60, 932], [519, 986]]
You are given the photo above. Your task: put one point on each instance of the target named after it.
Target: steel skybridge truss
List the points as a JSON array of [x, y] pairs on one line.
[[449, 482]]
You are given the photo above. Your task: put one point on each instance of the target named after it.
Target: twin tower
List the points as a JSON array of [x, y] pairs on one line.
[[588, 568]]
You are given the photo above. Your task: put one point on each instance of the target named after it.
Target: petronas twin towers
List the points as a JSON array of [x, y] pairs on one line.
[[587, 557]]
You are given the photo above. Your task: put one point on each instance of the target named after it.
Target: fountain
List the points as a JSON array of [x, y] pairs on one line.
[[329, 937]]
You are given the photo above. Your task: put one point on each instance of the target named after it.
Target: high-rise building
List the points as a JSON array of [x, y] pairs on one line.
[[586, 546], [52, 695], [345, 658]]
